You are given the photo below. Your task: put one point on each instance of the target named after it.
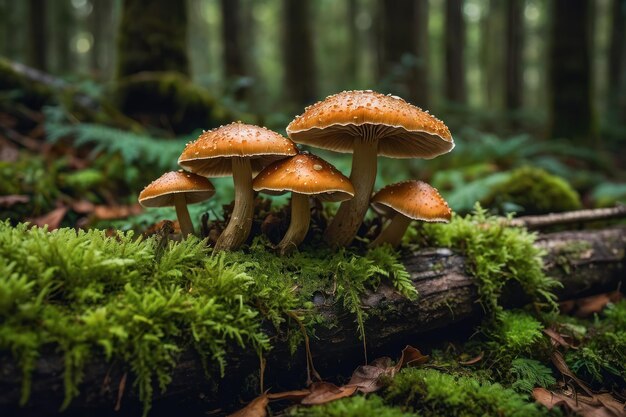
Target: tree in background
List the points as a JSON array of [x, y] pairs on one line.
[[617, 65], [153, 37], [37, 35], [570, 71], [300, 71], [455, 87], [514, 48], [232, 47], [404, 48]]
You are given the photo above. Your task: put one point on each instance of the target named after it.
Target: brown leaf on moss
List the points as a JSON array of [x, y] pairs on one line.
[[9, 200], [368, 378], [116, 212], [256, 408], [411, 357], [295, 395], [325, 392], [558, 339], [474, 360], [587, 306], [600, 405], [559, 363], [52, 219]]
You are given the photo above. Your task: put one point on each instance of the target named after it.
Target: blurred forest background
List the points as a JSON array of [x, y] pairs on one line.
[[534, 92]]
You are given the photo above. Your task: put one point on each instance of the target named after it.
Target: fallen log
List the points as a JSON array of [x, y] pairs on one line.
[[585, 262]]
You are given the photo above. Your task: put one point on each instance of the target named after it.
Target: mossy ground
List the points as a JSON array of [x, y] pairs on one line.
[[143, 301]]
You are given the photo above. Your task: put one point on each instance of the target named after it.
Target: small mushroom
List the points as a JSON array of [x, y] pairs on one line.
[[177, 188], [404, 202], [236, 149], [304, 175], [367, 124]]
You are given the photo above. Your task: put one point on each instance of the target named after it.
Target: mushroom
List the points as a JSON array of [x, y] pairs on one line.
[[404, 202], [177, 188], [304, 175], [237, 149], [367, 124]]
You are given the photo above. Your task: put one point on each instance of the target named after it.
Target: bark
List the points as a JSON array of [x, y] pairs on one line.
[[570, 71], [298, 52], [514, 50], [231, 40], [152, 36], [455, 85], [617, 64], [404, 51], [62, 27], [37, 38], [447, 303]]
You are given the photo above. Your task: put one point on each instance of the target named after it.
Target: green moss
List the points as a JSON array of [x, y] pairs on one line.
[[141, 302], [496, 255], [535, 191], [433, 393], [601, 358], [357, 406]]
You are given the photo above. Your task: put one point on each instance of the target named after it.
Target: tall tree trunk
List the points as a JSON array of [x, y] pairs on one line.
[[231, 42], [299, 54], [63, 25], [248, 35], [403, 59], [616, 108], [37, 26], [570, 70], [514, 49], [153, 37], [492, 38], [455, 86], [352, 61]]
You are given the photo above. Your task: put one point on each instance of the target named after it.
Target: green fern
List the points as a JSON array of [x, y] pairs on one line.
[[529, 373]]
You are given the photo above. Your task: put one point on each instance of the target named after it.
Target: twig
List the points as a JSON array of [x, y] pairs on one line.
[[568, 217]]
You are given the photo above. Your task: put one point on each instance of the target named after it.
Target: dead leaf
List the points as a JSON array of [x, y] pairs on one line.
[[325, 392], [558, 339], [559, 363], [256, 408], [83, 206], [295, 395], [474, 360], [367, 378], [9, 200], [411, 357], [116, 212], [602, 405], [52, 219], [120, 392], [587, 306]]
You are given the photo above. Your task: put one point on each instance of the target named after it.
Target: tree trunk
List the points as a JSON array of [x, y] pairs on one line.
[[62, 27], [404, 49], [37, 27], [299, 53], [455, 85], [447, 303], [231, 42], [514, 53], [352, 61], [570, 71], [101, 22], [616, 108], [492, 51], [152, 36]]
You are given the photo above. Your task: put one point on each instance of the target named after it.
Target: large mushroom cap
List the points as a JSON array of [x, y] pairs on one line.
[[210, 155], [403, 130], [414, 199], [304, 174], [161, 192]]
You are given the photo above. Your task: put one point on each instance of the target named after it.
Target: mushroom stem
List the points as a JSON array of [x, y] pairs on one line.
[[392, 234], [186, 226], [238, 228], [345, 225], [299, 225]]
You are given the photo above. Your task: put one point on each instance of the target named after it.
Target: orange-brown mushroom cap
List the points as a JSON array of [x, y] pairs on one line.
[[403, 130], [414, 199], [161, 192], [304, 174], [210, 155]]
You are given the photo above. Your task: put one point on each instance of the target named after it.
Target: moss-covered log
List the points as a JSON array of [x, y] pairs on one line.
[[585, 262]]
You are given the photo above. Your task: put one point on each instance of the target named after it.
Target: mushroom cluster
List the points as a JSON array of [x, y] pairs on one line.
[[364, 123]]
